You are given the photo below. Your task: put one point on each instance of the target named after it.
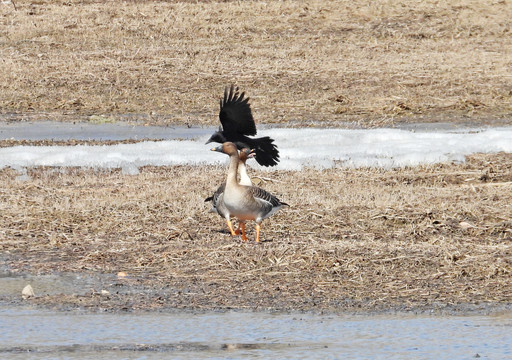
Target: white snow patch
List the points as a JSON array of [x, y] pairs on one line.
[[319, 148]]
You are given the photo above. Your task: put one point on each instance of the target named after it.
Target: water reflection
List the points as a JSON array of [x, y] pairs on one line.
[[38, 334]]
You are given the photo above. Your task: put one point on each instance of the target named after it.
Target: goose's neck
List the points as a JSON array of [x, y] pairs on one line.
[[244, 177], [233, 167]]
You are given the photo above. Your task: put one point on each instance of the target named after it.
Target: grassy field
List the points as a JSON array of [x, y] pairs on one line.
[[319, 62], [414, 238], [426, 237]]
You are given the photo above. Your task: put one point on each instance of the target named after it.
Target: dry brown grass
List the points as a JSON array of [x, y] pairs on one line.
[[372, 62], [424, 237]]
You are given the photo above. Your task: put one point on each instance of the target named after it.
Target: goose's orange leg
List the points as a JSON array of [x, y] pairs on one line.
[[258, 227], [230, 226], [242, 226]]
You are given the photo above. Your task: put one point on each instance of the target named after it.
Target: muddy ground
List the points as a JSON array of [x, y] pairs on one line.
[[434, 237]]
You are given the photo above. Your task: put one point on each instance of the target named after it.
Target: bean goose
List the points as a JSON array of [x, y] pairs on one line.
[[217, 198], [237, 122], [242, 201]]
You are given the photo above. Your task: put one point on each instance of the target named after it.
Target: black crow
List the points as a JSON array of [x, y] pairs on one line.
[[237, 122]]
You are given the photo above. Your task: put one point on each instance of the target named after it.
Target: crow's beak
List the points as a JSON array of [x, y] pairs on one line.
[[209, 141]]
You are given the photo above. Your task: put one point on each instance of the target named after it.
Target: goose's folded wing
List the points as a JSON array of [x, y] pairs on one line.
[[218, 193], [265, 196], [215, 197], [235, 113]]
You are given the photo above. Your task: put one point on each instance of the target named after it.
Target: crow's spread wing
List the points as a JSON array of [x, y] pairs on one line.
[[235, 113]]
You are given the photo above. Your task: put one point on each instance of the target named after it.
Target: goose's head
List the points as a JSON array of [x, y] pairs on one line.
[[227, 148], [246, 153]]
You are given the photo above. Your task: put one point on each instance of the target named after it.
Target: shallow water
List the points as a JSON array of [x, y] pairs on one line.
[[67, 284], [47, 130], [27, 333]]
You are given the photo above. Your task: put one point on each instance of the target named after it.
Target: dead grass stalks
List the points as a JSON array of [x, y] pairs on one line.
[[352, 239], [304, 63]]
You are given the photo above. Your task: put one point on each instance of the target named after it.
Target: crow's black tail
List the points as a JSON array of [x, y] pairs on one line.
[[266, 151]]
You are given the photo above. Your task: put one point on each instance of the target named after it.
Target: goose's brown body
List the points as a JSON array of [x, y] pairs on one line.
[[242, 201], [217, 198]]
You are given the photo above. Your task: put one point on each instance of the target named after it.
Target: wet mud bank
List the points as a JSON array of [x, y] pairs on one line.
[[118, 293]]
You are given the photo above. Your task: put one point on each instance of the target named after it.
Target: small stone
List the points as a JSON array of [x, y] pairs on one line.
[[27, 292], [121, 274], [229, 347], [105, 292], [465, 225]]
